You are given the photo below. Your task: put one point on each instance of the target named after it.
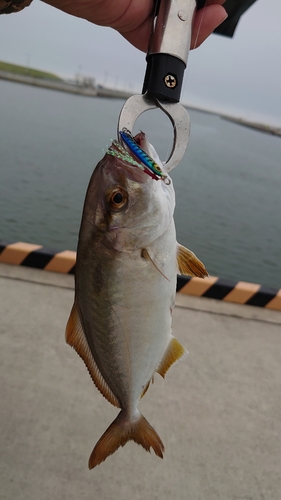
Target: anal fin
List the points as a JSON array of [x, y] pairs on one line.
[[145, 389], [76, 338], [174, 352], [189, 264]]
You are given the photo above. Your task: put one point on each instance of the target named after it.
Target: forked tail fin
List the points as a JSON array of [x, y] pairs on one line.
[[120, 432]]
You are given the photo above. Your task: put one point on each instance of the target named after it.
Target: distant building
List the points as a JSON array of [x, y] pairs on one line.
[[85, 81]]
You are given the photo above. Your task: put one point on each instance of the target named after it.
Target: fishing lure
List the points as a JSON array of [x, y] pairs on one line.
[[151, 165], [119, 152]]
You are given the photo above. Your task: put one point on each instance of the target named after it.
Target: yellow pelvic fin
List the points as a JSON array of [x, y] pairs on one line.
[[174, 352], [120, 432], [189, 264], [76, 338], [145, 255]]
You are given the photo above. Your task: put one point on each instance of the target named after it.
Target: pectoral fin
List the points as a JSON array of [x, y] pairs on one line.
[[145, 255], [189, 264], [174, 352], [76, 338]]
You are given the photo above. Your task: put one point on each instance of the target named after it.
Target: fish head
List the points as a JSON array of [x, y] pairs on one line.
[[124, 206]]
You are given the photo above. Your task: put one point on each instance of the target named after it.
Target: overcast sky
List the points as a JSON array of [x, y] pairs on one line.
[[240, 75]]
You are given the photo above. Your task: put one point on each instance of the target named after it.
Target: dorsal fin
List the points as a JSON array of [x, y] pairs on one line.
[[174, 352], [189, 264], [76, 338]]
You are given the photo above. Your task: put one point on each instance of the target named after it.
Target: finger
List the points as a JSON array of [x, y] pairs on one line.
[[205, 22], [139, 37]]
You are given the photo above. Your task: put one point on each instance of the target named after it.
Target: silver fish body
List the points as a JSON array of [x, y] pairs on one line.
[[125, 285]]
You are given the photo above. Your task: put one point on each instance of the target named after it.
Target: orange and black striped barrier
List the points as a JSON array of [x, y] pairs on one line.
[[240, 292], [27, 254]]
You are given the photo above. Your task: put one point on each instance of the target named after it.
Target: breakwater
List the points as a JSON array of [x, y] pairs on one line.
[[100, 91], [268, 129], [63, 86]]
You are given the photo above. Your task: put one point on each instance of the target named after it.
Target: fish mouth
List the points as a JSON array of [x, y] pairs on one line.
[[143, 152], [128, 164]]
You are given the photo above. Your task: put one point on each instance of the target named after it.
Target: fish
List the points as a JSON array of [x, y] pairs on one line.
[[125, 285]]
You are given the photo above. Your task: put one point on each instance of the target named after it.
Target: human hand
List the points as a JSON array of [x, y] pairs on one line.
[[132, 18]]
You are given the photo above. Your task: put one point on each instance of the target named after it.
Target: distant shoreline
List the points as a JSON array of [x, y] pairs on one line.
[[63, 86], [99, 91], [262, 127]]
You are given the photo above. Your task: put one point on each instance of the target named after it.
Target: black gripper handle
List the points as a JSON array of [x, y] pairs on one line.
[[200, 4], [163, 77]]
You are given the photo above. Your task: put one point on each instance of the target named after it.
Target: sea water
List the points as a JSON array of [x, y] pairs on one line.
[[228, 186]]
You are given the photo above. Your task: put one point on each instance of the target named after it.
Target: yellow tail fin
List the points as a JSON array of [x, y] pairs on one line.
[[120, 432]]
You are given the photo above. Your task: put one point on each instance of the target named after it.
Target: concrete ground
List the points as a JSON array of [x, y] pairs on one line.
[[218, 412]]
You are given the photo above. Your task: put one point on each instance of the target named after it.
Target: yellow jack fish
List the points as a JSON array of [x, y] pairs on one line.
[[125, 284]]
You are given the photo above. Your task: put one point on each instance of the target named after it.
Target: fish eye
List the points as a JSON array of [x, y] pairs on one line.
[[118, 198]]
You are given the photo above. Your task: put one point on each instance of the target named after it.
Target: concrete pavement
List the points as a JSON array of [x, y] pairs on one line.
[[218, 412]]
